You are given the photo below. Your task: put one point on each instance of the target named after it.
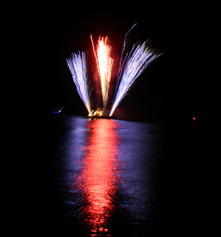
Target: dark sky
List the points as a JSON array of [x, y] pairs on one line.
[[168, 88]]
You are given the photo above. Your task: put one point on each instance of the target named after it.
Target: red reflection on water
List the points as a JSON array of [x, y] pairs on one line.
[[98, 178]]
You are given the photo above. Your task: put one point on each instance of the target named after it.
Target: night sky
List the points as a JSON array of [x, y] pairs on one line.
[[168, 88]]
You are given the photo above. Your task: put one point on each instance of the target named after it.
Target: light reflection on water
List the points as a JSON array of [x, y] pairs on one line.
[[98, 179], [106, 173]]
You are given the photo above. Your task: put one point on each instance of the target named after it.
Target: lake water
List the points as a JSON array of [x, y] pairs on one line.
[[109, 178]]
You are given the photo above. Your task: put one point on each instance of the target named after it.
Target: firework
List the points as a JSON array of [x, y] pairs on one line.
[[122, 52], [130, 68], [78, 68], [104, 65], [134, 64]]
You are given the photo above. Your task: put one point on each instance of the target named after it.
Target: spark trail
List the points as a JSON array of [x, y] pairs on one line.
[[134, 64], [78, 68], [104, 65], [122, 52]]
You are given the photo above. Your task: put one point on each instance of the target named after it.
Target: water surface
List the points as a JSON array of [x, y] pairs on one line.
[[109, 178]]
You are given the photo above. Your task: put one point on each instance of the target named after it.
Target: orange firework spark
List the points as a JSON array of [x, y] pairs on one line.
[[104, 65]]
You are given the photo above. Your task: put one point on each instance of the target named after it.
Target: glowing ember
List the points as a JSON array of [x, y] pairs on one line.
[[104, 65], [96, 113]]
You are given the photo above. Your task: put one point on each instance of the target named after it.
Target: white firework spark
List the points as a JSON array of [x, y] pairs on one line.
[[134, 64], [78, 67], [122, 52]]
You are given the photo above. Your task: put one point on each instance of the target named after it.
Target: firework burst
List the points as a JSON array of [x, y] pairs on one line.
[[130, 68]]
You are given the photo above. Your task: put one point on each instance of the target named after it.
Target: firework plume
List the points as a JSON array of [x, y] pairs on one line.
[[134, 64], [104, 65], [130, 67], [78, 68]]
